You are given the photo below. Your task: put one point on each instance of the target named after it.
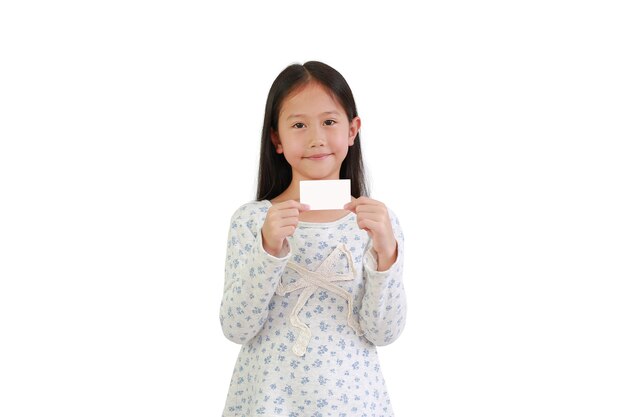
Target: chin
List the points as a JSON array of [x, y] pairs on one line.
[[324, 177]]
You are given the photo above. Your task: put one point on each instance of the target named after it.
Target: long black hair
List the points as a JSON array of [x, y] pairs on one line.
[[274, 170]]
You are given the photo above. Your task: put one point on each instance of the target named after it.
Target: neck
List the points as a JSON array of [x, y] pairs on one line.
[[293, 191]]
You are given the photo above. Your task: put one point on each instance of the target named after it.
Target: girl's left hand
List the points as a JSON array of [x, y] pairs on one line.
[[372, 216]]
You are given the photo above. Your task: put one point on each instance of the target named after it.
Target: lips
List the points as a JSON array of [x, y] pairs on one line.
[[318, 156]]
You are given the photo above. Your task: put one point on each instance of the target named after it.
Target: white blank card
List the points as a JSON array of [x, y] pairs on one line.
[[325, 194]]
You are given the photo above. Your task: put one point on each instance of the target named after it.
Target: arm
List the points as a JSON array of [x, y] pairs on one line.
[[251, 278], [383, 311]]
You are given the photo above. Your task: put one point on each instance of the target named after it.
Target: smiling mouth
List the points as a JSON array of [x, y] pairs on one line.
[[318, 157]]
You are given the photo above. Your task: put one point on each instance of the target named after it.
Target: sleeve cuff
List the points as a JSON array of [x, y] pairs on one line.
[[285, 251], [371, 263]]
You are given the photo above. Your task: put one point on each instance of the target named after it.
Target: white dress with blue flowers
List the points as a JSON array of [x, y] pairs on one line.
[[309, 322]]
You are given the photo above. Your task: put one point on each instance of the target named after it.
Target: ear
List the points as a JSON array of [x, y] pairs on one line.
[[276, 141], [355, 125]]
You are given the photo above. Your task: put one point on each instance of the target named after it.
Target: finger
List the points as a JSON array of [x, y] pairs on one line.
[[280, 228], [375, 216], [303, 207], [292, 204], [370, 208], [288, 212], [370, 224], [287, 230], [366, 200], [362, 201], [287, 221], [352, 205]]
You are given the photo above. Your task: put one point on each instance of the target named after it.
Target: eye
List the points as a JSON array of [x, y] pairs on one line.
[[298, 125], [329, 122]]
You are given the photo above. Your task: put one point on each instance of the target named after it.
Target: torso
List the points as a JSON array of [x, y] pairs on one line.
[[339, 363]]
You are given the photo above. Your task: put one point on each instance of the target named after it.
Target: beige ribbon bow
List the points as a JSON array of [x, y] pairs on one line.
[[322, 277]]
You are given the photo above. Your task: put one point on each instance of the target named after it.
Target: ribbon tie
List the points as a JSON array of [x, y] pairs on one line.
[[322, 277]]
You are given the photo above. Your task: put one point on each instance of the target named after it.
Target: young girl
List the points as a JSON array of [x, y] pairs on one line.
[[309, 294]]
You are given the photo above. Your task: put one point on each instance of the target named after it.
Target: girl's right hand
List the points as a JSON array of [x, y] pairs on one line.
[[280, 222]]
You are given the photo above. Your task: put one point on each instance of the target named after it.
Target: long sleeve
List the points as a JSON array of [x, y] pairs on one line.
[[251, 277], [383, 310]]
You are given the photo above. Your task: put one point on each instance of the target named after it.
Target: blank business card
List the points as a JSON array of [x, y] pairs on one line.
[[325, 194]]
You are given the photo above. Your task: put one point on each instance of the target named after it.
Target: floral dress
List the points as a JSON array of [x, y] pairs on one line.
[[309, 322]]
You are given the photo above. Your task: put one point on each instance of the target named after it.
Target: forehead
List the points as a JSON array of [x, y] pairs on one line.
[[312, 99]]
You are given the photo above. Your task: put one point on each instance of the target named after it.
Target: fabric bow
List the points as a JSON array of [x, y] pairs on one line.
[[310, 281]]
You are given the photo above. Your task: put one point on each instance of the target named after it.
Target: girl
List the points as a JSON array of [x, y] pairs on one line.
[[309, 294]]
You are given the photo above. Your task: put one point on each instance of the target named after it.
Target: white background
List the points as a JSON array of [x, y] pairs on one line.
[[130, 133]]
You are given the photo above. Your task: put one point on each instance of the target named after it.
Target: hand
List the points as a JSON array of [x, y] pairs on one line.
[[372, 216], [280, 222]]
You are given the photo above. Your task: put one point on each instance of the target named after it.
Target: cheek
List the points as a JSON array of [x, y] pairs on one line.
[[341, 139], [291, 147], [292, 152]]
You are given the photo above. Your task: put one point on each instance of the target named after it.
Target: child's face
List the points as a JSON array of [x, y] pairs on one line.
[[314, 133]]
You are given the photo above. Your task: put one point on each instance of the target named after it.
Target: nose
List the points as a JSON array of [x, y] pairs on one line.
[[317, 137]]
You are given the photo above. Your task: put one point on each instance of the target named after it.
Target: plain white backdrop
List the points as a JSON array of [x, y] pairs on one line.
[[130, 133]]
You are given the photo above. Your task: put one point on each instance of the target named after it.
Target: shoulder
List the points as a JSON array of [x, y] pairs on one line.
[[251, 214], [252, 208]]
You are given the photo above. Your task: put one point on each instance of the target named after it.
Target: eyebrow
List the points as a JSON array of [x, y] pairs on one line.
[[297, 116]]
